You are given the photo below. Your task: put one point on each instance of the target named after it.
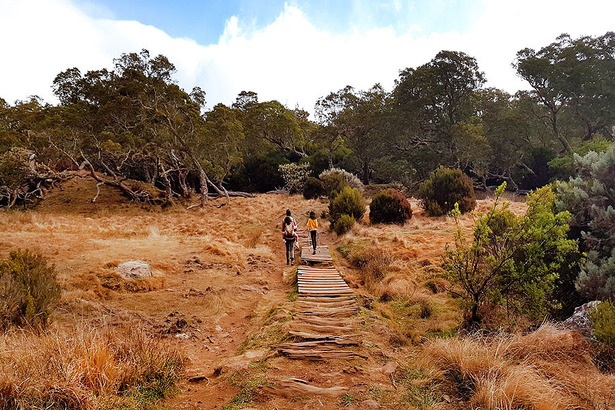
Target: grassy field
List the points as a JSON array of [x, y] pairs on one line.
[[222, 296]]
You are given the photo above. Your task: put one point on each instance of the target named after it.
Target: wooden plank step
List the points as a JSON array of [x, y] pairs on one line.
[[302, 298], [325, 291], [319, 344], [321, 354], [325, 329], [314, 320], [319, 336], [309, 304]]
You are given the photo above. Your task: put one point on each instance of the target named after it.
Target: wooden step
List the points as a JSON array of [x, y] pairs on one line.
[[318, 354]]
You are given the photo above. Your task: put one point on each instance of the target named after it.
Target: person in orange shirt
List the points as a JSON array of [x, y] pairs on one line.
[[312, 226]]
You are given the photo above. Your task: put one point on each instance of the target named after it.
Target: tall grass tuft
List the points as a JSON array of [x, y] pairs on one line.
[[29, 290], [550, 368], [86, 368]]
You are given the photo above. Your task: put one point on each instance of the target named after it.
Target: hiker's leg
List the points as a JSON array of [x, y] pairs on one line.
[[313, 234], [292, 250], [288, 248]]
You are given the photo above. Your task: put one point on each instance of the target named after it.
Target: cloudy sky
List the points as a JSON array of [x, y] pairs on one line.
[[294, 51]]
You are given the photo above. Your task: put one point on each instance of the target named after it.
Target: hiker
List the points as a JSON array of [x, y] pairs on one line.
[[289, 234], [312, 226], [294, 226]]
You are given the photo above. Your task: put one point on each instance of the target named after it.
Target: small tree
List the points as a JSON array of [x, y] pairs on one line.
[[349, 202], [343, 224], [512, 262], [445, 188], [390, 206]]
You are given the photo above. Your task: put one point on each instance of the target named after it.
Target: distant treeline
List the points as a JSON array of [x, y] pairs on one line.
[[134, 123]]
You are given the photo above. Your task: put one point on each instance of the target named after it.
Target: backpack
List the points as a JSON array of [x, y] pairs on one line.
[[289, 230]]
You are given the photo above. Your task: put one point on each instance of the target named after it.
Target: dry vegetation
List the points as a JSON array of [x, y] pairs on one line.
[[221, 299]]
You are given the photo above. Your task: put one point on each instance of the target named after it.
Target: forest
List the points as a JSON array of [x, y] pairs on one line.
[[134, 123]]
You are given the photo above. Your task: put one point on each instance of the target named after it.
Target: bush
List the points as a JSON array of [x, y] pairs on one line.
[[444, 188], [390, 206], [294, 176], [336, 179], [349, 202], [313, 188], [511, 264], [29, 290], [343, 224], [589, 198], [603, 323]]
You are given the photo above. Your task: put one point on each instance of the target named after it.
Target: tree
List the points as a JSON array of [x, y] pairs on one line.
[[272, 123], [434, 107], [573, 75], [511, 262], [357, 116], [135, 121]]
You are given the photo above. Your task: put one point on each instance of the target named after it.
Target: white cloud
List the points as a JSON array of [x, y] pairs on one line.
[[290, 60]]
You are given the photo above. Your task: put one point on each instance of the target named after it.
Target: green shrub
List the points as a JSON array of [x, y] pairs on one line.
[[313, 188], [511, 263], [390, 206], [29, 290], [444, 188], [294, 176], [590, 199], [349, 202], [336, 179], [603, 323], [343, 224]]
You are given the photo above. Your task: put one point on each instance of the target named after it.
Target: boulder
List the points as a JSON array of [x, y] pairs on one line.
[[580, 318], [134, 270]]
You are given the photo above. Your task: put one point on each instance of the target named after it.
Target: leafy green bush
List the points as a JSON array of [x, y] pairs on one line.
[[313, 188], [29, 290], [390, 206], [343, 224], [349, 202], [603, 323], [444, 188], [512, 263], [335, 179]]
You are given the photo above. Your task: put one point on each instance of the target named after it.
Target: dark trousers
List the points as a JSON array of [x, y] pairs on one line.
[[313, 235], [290, 249]]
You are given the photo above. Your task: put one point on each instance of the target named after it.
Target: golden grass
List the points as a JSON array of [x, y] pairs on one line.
[[84, 367], [550, 368]]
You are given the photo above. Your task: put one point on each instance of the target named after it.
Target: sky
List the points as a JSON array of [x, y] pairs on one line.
[[294, 51]]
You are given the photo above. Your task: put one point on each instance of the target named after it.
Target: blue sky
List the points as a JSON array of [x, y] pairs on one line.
[[294, 51], [204, 21]]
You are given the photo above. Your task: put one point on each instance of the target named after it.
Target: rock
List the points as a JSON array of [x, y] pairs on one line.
[[182, 336], [580, 319], [370, 404], [134, 270], [389, 368]]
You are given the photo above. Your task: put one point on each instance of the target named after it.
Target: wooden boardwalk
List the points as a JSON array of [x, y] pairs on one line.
[[323, 327]]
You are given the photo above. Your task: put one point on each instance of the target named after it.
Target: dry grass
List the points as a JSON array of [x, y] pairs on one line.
[[85, 367], [550, 368]]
